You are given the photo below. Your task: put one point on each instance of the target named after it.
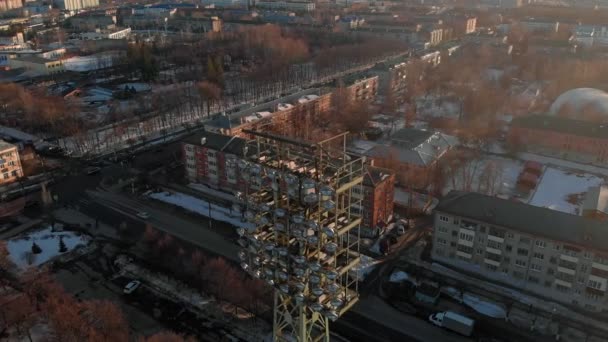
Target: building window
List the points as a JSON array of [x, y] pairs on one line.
[[522, 252], [594, 284], [494, 244], [586, 255], [6, 175], [524, 240], [533, 280], [510, 235], [491, 267], [536, 268], [581, 280], [539, 256], [213, 172], [444, 218], [479, 251], [583, 268], [456, 221], [454, 233], [541, 243], [561, 288], [466, 237], [497, 232], [550, 271], [520, 263], [442, 229], [508, 248], [480, 239], [442, 241]]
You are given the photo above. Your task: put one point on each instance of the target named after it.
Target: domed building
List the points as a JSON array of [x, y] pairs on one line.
[[586, 104]]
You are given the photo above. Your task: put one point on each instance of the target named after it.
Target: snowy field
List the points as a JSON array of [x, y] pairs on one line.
[[20, 249], [563, 190], [201, 207], [490, 175]]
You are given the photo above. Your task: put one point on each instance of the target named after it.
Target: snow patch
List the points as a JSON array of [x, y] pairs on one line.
[[201, 207], [20, 249], [563, 190]]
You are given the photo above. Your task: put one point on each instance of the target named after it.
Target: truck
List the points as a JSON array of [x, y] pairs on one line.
[[453, 321]]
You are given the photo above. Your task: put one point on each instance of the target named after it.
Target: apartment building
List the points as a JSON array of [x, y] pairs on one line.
[[10, 164], [74, 5], [377, 195], [360, 88], [555, 255], [392, 76], [6, 5]]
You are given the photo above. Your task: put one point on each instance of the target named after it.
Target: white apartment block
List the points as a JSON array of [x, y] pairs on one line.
[[554, 255], [10, 164], [73, 5]]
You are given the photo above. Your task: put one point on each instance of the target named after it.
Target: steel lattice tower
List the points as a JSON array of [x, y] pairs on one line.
[[306, 238]]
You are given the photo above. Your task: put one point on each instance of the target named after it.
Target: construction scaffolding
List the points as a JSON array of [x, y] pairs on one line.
[[306, 238]]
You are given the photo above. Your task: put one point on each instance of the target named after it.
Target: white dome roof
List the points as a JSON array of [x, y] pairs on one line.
[[576, 103]]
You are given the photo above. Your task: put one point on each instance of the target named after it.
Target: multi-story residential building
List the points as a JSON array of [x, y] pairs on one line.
[[562, 137], [413, 154], [377, 199], [211, 159], [552, 254], [378, 193], [286, 114], [392, 76], [297, 6], [361, 88], [74, 5], [10, 164], [6, 5]]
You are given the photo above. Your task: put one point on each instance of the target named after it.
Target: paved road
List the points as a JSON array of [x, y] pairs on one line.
[[198, 234]]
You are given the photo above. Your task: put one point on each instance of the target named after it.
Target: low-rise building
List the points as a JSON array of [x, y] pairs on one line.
[[38, 65], [561, 137], [413, 154], [10, 164], [106, 34], [555, 255]]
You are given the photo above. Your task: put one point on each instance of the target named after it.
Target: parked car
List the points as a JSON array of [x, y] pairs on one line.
[[143, 215], [131, 286]]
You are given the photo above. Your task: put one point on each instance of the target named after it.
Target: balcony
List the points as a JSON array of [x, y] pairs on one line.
[[464, 255], [496, 238], [566, 270]]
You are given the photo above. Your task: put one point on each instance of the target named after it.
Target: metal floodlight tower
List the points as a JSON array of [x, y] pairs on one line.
[[306, 238]]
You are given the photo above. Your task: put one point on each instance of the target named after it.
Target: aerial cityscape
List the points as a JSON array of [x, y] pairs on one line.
[[304, 170]]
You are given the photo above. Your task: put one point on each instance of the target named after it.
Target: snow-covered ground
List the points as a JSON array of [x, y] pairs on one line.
[[20, 249], [201, 207], [215, 193], [563, 190], [434, 106], [491, 175]]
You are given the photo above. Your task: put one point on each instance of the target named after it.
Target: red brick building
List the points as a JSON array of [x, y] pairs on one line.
[[561, 137], [378, 197]]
